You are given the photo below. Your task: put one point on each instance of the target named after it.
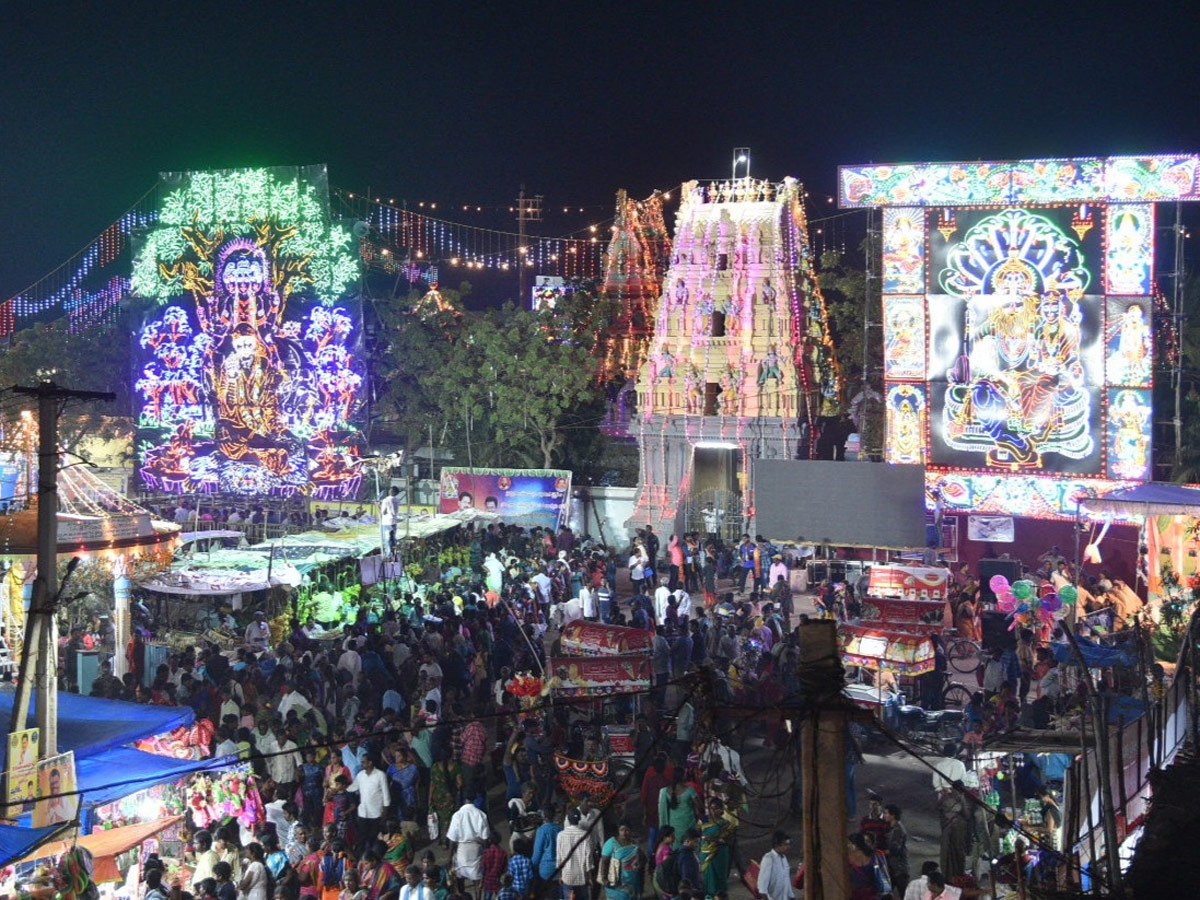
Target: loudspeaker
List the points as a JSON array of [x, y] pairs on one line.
[[1009, 568], [995, 631]]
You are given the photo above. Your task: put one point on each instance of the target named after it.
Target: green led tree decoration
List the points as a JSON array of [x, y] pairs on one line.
[[276, 206]]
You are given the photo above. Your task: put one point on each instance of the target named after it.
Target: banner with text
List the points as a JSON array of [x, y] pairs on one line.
[[528, 497]]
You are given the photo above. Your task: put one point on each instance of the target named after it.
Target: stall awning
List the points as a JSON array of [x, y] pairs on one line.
[[106, 846], [119, 772], [89, 725], [1154, 498], [16, 842]]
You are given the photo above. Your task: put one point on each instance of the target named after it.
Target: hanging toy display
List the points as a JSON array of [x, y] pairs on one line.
[[1026, 606], [229, 795]]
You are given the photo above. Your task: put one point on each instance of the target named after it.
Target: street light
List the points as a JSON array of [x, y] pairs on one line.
[[741, 157]]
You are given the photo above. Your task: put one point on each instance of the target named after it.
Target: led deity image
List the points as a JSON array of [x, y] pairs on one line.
[[906, 421], [903, 251], [1128, 342], [1129, 250], [904, 338], [1015, 356], [1128, 434], [253, 385]]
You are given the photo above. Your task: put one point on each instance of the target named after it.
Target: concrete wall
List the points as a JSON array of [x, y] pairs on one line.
[[614, 506]]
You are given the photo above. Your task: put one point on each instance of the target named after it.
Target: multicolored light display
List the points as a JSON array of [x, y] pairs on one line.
[[250, 377], [1018, 341]]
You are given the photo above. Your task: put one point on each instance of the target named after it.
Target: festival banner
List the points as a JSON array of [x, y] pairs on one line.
[[528, 497], [595, 639], [908, 581], [903, 653], [584, 675], [22, 765], [918, 616], [57, 801]]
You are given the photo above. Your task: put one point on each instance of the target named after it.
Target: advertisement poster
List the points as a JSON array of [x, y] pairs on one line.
[[56, 789], [997, 529], [908, 581], [904, 615], [580, 676], [527, 497], [22, 765], [595, 639]]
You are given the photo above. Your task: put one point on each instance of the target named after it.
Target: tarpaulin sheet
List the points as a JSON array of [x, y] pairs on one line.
[[1097, 656], [106, 846], [16, 842], [1151, 499], [89, 725], [119, 772]]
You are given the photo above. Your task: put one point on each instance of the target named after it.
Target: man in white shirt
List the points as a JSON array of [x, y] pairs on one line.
[[918, 888], [683, 608], [774, 879], [351, 661], [937, 889], [468, 831], [374, 797], [293, 699], [587, 600], [949, 769], [661, 595], [541, 581], [258, 633], [389, 514], [573, 851], [284, 763], [413, 888]]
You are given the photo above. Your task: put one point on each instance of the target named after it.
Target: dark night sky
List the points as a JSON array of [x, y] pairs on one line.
[[463, 102]]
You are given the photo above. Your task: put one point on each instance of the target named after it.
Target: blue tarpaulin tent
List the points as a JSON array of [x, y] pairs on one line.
[[16, 842], [89, 725], [1154, 498]]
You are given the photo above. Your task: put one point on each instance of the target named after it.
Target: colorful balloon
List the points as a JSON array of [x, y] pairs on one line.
[[1007, 602], [998, 584], [1051, 603], [1068, 593], [1022, 590], [1022, 607]]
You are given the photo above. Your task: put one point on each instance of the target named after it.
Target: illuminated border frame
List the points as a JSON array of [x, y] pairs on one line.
[[1115, 179]]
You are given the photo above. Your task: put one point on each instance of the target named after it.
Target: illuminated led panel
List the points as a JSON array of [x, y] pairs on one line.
[[1128, 433], [1016, 342], [1036, 496], [904, 337], [903, 251], [250, 376], [1132, 178], [906, 424], [1128, 342], [1129, 249], [1028, 181]]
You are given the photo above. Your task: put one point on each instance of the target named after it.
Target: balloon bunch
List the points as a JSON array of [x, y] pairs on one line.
[[1023, 605]]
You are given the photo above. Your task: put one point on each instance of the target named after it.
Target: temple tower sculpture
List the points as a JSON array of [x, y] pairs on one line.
[[741, 362]]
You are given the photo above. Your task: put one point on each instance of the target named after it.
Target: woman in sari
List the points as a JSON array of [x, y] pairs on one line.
[[445, 787], [717, 830], [333, 769], [377, 876], [628, 855], [967, 618]]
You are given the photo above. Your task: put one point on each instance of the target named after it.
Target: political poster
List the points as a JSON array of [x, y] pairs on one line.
[[587, 675], [528, 497], [22, 765], [57, 801]]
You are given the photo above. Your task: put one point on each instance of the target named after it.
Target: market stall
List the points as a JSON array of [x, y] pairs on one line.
[[107, 847]]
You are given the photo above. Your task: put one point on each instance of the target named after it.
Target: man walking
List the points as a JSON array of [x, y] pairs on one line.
[[374, 797], [774, 880], [468, 832], [573, 850]]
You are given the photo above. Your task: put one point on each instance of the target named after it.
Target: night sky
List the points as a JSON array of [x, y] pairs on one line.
[[461, 103]]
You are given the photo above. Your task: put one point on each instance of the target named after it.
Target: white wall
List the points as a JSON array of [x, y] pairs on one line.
[[614, 505]]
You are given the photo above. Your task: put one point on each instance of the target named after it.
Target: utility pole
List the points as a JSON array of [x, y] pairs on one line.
[[41, 641], [1177, 316], [529, 209]]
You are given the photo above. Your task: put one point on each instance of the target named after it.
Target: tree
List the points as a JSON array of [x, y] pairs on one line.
[[525, 376], [845, 287]]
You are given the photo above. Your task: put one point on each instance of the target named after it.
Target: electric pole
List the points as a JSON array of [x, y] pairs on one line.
[[529, 209], [41, 640]]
